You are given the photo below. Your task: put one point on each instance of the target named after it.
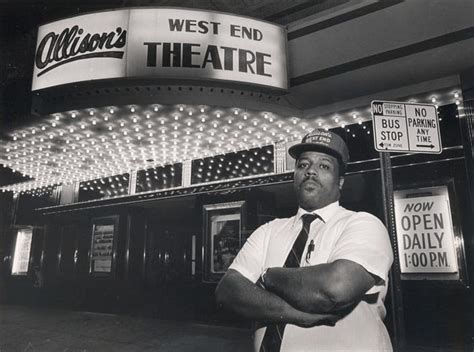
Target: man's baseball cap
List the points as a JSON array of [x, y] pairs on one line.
[[320, 140]]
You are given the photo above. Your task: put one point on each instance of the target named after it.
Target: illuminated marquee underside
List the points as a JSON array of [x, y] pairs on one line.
[[90, 144], [98, 142]]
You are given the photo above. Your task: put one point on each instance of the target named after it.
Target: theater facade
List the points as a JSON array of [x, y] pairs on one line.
[[158, 142]]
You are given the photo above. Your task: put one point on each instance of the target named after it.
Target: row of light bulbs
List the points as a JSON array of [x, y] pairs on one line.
[[83, 145]]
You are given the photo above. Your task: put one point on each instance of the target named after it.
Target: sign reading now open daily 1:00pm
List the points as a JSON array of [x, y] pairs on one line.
[[425, 234], [406, 127]]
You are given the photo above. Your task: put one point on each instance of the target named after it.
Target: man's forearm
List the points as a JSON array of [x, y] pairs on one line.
[[323, 288], [245, 298], [303, 288]]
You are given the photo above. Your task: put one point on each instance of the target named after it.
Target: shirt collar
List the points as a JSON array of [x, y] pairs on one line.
[[325, 213]]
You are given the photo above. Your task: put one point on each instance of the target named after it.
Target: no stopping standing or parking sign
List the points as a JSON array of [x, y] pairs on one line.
[[405, 127]]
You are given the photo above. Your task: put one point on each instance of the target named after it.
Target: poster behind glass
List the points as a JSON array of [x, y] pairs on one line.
[[225, 232], [102, 246], [21, 257], [223, 227]]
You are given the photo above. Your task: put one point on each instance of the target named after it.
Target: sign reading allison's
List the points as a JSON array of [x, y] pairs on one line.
[[83, 48], [160, 42]]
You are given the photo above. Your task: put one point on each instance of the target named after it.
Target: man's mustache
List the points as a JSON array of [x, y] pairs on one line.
[[312, 179]]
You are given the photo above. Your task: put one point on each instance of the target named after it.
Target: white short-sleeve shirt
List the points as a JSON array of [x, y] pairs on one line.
[[341, 234]]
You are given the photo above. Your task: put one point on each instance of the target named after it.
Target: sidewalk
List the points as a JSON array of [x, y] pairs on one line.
[[28, 329]]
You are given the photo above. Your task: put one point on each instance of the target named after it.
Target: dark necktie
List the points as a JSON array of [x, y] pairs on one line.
[[274, 334]]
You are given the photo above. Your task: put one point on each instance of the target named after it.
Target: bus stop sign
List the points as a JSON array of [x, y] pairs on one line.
[[404, 127]]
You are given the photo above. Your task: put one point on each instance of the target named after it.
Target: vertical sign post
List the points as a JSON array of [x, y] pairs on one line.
[[410, 128], [395, 277]]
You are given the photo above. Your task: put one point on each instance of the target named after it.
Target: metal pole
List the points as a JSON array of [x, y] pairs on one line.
[[395, 279]]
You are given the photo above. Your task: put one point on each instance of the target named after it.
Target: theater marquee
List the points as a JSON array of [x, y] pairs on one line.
[[161, 43]]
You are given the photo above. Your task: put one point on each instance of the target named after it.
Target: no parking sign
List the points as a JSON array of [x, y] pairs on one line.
[[403, 127]]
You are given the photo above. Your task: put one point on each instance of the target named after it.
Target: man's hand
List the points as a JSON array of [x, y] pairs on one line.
[[308, 320]]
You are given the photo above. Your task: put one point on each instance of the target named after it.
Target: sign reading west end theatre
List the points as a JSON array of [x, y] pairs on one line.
[[425, 236], [164, 43], [404, 127]]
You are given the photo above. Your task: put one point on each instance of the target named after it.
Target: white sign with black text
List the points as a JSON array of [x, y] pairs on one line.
[[406, 127], [21, 256], [190, 44], [82, 48], [165, 43], [425, 236]]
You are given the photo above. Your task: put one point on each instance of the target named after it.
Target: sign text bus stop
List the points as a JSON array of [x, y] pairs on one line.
[[404, 127]]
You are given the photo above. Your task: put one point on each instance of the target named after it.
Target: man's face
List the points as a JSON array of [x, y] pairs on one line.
[[316, 180]]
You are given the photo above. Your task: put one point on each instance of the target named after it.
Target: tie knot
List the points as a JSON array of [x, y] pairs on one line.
[[308, 219]]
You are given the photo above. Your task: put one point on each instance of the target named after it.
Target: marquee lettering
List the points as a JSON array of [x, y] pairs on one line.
[[72, 44], [168, 54]]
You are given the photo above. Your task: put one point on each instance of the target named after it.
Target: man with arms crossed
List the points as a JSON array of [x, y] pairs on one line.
[[314, 282]]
